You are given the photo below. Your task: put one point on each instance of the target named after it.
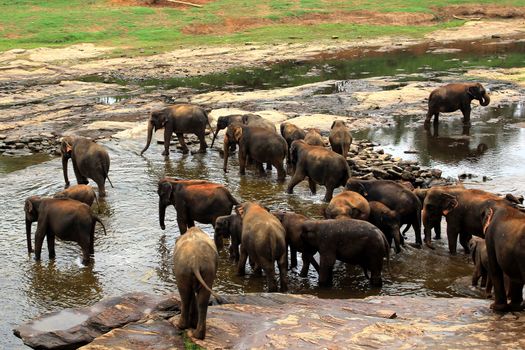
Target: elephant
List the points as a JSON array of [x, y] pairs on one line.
[[229, 226], [292, 223], [340, 138], [388, 222], [67, 219], [313, 138], [258, 121], [395, 196], [194, 200], [351, 241], [263, 240], [90, 160], [223, 122], [451, 97], [195, 262], [348, 205], [260, 145], [179, 119], [480, 258], [321, 166], [291, 132], [504, 229], [81, 193], [421, 193]]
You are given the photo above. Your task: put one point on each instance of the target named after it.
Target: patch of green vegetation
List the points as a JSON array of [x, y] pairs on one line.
[[189, 345]]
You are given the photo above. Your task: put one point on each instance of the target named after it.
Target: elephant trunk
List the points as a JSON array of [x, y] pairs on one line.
[[151, 128], [162, 214], [226, 151], [217, 237], [64, 169], [28, 233], [214, 136], [485, 100]]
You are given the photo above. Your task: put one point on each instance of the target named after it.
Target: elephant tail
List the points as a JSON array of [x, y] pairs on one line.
[[97, 219], [387, 249], [232, 198], [199, 278], [208, 121], [407, 227], [96, 198], [107, 177]]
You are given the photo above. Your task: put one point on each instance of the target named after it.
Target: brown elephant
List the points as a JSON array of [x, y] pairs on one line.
[[451, 97], [194, 200], [388, 222], [263, 240], [67, 219], [480, 258], [81, 193], [348, 205], [340, 138], [255, 120], [314, 138], [504, 229], [292, 223], [321, 166], [90, 160], [229, 226], [291, 132], [223, 122], [195, 263], [179, 119], [260, 145]]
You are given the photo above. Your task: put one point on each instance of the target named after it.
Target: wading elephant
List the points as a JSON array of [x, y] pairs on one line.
[[340, 138], [421, 193], [292, 224], [223, 122], [179, 119], [263, 240], [351, 241], [387, 221], [451, 97], [504, 229], [90, 160], [314, 138], [478, 253], [67, 219], [81, 193], [321, 166], [348, 205], [396, 197], [194, 200], [195, 262], [260, 145], [229, 226], [291, 132]]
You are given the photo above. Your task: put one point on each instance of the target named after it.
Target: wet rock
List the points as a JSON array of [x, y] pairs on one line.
[[436, 173], [3, 136]]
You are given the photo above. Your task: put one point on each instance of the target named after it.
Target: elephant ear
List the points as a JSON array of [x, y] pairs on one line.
[[237, 133], [333, 124], [449, 203], [239, 210], [66, 145], [165, 189], [487, 219], [28, 207], [474, 91]]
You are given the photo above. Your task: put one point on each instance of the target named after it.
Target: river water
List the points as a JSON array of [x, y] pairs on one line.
[[135, 255]]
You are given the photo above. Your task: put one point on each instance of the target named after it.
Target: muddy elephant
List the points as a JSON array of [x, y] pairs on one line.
[[322, 166], [90, 160], [223, 122], [396, 197], [291, 132], [352, 241], [504, 229], [314, 138], [81, 193], [194, 200], [259, 145], [451, 97], [67, 219], [229, 226], [348, 205], [292, 223], [263, 240], [388, 222], [195, 263], [340, 138], [179, 119]]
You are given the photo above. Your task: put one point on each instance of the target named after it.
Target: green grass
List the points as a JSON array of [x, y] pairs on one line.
[[143, 30]]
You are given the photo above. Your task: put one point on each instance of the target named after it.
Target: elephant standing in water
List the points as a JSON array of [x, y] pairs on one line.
[[340, 138], [451, 97], [90, 160], [291, 132], [223, 122], [179, 119], [348, 205]]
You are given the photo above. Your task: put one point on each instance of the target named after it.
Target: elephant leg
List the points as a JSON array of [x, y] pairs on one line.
[[466, 113], [182, 143], [100, 180], [283, 261], [193, 316], [312, 185], [430, 113], [326, 266], [375, 274], [293, 257], [50, 237], [476, 275], [241, 267], [464, 238], [269, 271], [281, 173], [202, 142], [183, 227], [483, 274], [307, 258], [488, 288], [40, 234], [186, 298], [437, 230], [242, 160], [452, 236], [168, 131], [202, 308], [329, 193], [81, 179], [516, 296], [496, 275], [297, 177], [268, 166], [260, 168]]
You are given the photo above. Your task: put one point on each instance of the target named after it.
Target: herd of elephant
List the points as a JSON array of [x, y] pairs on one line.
[[361, 223]]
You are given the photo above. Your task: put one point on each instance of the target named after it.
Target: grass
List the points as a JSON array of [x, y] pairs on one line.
[[143, 30]]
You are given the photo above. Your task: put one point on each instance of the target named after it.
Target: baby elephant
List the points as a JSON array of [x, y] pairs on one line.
[[478, 253], [388, 222], [348, 205], [195, 261], [81, 193], [340, 138], [229, 226]]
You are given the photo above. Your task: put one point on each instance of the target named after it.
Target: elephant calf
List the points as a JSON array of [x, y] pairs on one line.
[[314, 138], [478, 253], [81, 193], [195, 262], [229, 226], [388, 222], [348, 205], [340, 138], [223, 122], [291, 132]]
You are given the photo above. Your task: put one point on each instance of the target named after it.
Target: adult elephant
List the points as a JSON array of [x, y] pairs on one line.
[[260, 145], [291, 132], [81, 193], [348, 205], [263, 240], [90, 160], [340, 138], [67, 219], [321, 166], [504, 229], [396, 197], [292, 223], [223, 122], [388, 222], [351, 241], [194, 200], [451, 97], [314, 138], [179, 119]]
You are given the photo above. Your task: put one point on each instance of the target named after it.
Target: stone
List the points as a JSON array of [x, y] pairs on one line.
[[407, 176], [436, 173], [3, 136]]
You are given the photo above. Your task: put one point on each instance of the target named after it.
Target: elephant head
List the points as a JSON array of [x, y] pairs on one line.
[[31, 212], [478, 92], [166, 192], [390, 222], [436, 204], [157, 120], [233, 136], [356, 186], [338, 123], [473, 245], [222, 230], [66, 148]]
